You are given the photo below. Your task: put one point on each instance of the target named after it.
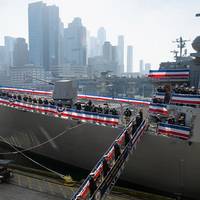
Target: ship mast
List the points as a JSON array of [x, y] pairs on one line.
[[181, 44]]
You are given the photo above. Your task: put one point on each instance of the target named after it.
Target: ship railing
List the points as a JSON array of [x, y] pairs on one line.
[[84, 116], [132, 101], [173, 130], [26, 91], [48, 94], [104, 175]]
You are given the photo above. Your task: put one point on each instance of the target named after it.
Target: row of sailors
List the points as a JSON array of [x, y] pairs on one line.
[[93, 181], [89, 106], [182, 89], [174, 120], [179, 120]]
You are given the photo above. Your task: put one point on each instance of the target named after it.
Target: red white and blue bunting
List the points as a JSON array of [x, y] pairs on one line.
[[26, 91], [185, 99], [83, 116], [156, 108], [169, 74], [80, 96], [172, 130]]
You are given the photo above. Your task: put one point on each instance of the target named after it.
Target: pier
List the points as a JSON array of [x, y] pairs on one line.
[[36, 185]]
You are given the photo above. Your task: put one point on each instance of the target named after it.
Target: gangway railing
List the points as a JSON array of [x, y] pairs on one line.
[[104, 175]]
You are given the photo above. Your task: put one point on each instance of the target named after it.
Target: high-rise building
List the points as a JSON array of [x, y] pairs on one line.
[[107, 51], [61, 45], [130, 59], [38, 37], [147, 67], [93, 47], [75, 43], [2, 57], [44, 32], [9, 43], [20, 53], [121, 54], [101, 35], [141, 64], [114, 54], [53, 35]]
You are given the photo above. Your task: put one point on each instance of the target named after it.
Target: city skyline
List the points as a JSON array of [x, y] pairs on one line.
[[149, 27]]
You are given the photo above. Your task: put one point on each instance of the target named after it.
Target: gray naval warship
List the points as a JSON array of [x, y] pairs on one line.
[[167, 158]]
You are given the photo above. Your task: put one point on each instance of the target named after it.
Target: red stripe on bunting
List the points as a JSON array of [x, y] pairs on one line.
[[158, 111], [172, 133], [89, 119], [184, 101]]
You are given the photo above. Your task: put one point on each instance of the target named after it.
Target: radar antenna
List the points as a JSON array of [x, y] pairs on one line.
[[181, 44], [175, 54]]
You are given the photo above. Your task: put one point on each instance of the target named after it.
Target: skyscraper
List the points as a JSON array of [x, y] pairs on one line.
[[101, 36], [38, 37], [53, 33], [121, 54], [107, 51], [93, 47], [44, 32], [61, 44], [130, 59], [2, 57], [75, 43], [141, 63], [9, 43], [114, 55], [20, 53]]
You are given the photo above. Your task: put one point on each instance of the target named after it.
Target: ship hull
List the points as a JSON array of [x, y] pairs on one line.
[[165, 164]]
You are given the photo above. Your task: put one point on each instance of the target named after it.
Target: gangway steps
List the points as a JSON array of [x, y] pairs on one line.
[[104, 175]]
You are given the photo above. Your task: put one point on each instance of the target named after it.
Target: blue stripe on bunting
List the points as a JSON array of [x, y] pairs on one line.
[[185, 128], [169, 70]]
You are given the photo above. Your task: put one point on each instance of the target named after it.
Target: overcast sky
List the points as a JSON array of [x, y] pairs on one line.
[[148, 25]]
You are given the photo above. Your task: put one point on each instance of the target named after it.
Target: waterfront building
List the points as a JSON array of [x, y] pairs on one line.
[[101, 36], [141, 65], [9, 43], [130, 59], [107, 51], [44, 33], [121, 54], [20, 52], [75, 43]]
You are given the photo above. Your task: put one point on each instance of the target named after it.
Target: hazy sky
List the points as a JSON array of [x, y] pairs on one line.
[[148, 25]]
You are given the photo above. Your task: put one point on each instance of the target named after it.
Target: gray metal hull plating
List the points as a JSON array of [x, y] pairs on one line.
[[160, 163]]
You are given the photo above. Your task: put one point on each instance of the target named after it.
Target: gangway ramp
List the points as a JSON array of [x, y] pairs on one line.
[[103, 177]]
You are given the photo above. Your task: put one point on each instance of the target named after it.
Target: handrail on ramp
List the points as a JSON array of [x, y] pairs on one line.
[[104, 175]]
